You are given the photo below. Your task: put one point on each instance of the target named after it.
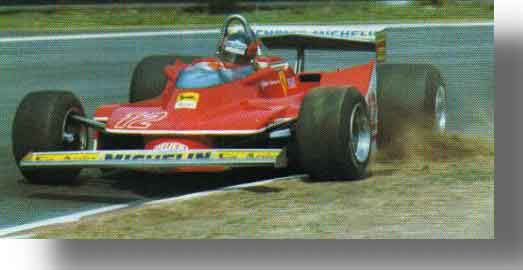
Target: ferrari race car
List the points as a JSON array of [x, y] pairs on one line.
[[241, 108]]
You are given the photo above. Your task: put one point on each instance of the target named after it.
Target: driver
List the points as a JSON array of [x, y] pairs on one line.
[[238, 49], [235, 55]]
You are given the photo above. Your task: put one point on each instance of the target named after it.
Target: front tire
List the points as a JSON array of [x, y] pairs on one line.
[[42, 124], [333, 134]]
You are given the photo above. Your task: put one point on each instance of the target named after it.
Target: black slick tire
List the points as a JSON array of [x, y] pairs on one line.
[[407, 95], [325, 139], [40, 122]]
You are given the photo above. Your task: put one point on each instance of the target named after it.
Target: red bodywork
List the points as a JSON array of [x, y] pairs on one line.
[[267, 97]]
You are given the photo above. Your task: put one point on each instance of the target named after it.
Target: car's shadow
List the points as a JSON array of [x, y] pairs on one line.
[[128, 186], [165, 185]]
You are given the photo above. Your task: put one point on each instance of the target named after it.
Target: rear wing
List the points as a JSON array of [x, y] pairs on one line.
[[316, 42], [305, 38]]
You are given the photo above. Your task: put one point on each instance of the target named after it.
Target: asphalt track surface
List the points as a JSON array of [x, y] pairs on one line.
[[98, 71]]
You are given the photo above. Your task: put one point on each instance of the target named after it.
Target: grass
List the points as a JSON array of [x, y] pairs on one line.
[[64, 19], [423, 195]]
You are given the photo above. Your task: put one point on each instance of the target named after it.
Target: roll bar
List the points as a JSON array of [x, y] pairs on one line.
[[246, 28]]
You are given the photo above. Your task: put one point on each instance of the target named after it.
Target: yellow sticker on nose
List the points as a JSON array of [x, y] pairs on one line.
[[187, 100]]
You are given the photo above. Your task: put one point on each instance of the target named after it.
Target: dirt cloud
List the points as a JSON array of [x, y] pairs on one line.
[[410, 139]]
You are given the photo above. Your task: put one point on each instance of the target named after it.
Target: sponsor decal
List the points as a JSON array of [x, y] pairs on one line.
[[195, 155], [187, 100], [152, 155], [139, 120], [235, 46], [265, 84], [283, 81], [171, 146], [361, 33], [291, 82], [166, 156], [364, 35], [64, 157], [247, 155]]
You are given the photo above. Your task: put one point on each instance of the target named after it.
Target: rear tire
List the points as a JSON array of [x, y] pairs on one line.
[[42, 124], [333, 134], [410, 94], [148, 79]]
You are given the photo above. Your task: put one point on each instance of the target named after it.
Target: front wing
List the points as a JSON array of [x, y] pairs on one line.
[[152, 159]]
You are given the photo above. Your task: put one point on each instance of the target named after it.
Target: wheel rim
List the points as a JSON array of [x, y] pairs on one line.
[[74, 134], [359, 134], [441, 108]]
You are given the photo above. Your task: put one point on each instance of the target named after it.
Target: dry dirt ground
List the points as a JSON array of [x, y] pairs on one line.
[[421, 186]]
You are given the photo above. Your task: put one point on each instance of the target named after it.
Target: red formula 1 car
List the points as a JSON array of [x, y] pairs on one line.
[[242, 108]]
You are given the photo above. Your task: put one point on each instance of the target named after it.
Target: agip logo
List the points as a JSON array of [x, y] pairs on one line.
[[172, 146]]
